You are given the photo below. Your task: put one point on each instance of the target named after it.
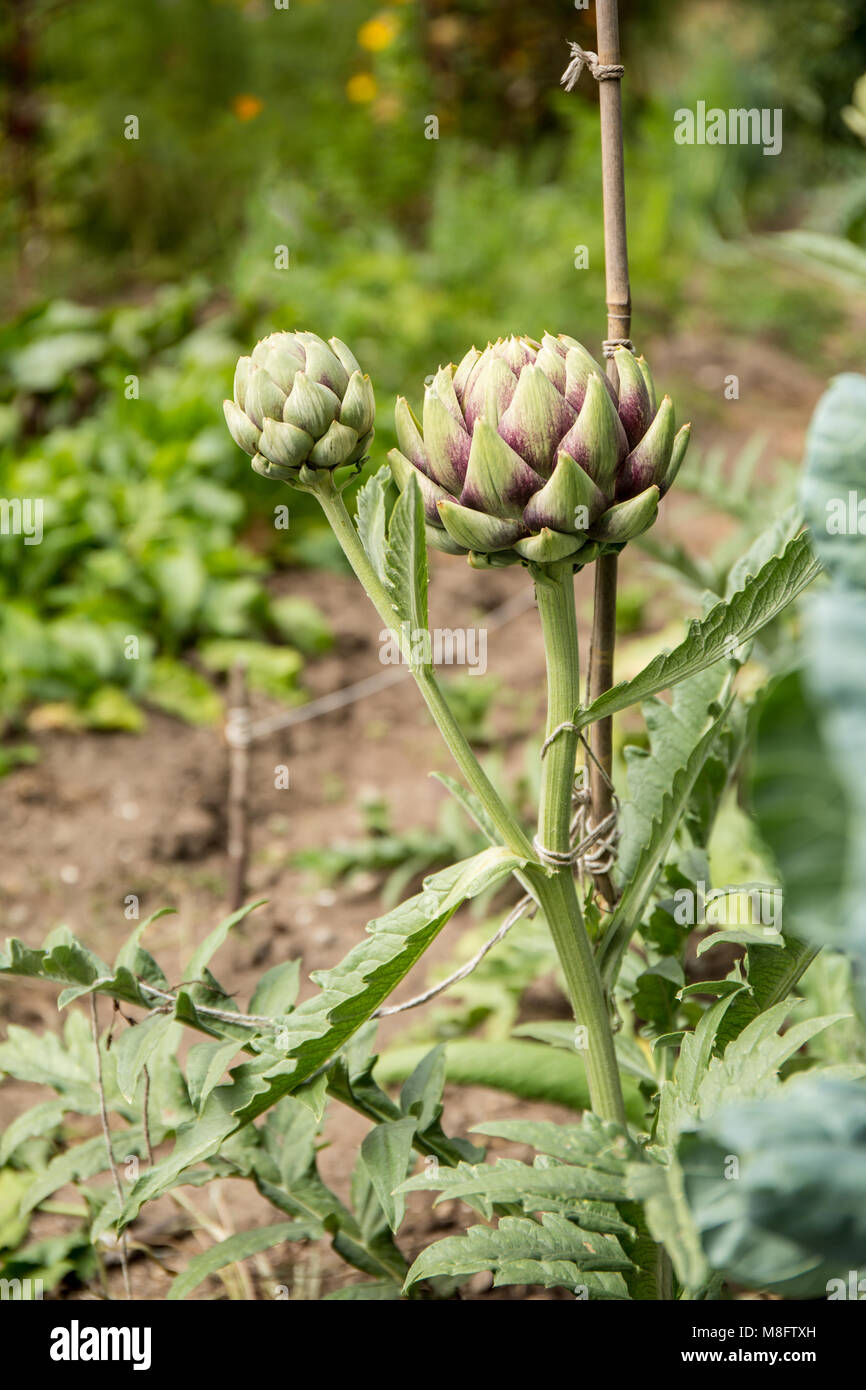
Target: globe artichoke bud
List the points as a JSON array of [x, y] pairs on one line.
[[300, 404], [528, 452]]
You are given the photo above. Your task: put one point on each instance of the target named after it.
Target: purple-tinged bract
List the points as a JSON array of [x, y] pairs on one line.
[[527, 451]]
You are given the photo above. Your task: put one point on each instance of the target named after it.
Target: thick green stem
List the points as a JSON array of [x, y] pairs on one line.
[[554, 891], [554, 588], [507, 825]]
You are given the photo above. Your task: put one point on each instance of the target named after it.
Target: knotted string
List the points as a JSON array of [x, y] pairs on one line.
[[610, 345], [593, 850], [583, 58], [602, 72]]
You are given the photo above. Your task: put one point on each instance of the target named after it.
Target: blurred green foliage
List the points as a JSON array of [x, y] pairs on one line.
[[139, 268]]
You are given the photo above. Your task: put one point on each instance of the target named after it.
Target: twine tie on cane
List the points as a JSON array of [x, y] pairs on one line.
[[584, 58], [593, 850], [602, 72], [610, 345]]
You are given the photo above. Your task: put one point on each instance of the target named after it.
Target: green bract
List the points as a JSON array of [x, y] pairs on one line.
[[528, 452], [300, 403]]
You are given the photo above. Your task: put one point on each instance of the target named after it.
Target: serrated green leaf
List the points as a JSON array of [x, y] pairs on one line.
[[553, 1252], [315, 1031], [206, 1066], [727, 626], [772, 972], [421, 1095], [661, 783], [133, 1050], [40, 1119], [49, 1060], [509, 1180], [277, 990], [386, 1152], [204, 953], [770, 542], [472, 805], [234, 1248], [748, 1067], [697, 1049], [372, 516], [83, 1161], [406, 558], [130, 950], [594, 1142]]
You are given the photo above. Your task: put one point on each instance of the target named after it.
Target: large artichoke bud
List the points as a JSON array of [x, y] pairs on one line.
[[300, 403], [529, 452]]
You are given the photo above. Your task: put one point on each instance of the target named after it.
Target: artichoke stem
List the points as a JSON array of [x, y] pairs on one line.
[[600, 679], [507, 825], [554, 590]]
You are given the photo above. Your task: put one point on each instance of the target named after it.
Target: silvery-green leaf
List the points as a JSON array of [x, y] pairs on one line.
[[724, 629]]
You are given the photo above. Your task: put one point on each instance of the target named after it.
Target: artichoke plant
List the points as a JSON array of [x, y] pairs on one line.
[[300, 403], [528, 452]]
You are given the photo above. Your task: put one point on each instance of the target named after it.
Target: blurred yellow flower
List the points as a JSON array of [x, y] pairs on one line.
[[362, 87], [378, 33], [247, 107]]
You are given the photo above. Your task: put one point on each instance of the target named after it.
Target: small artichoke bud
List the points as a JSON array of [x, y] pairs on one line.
[[528, 452], [300, 402]]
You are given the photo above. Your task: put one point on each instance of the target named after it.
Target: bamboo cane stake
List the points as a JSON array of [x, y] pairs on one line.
[[618, 297]]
